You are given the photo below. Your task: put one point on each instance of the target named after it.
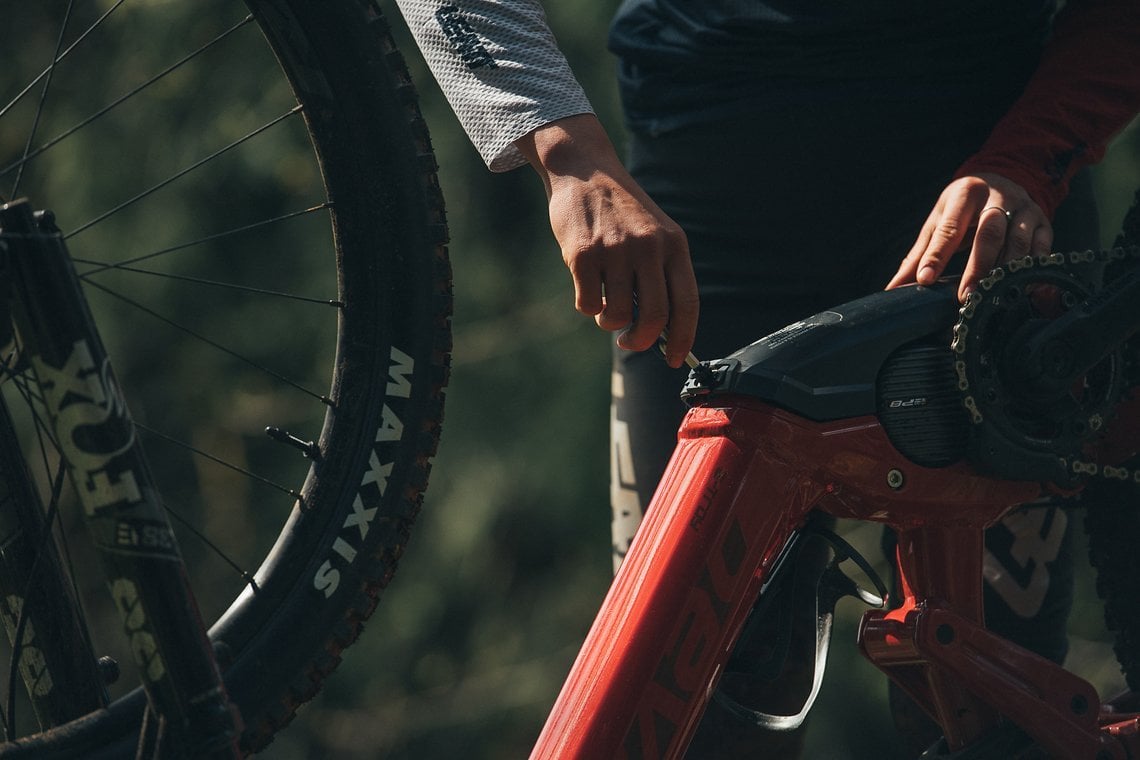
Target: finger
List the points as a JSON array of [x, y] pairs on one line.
[[650, 318], [684, 309], [950, 230], [587, 285], [906, 271], [908, 267], [1019, 235], [617, 303], [1042, 244], [993, 224]]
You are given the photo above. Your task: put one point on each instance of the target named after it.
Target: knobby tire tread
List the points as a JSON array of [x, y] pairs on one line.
[[1112, 522], [342, 622]]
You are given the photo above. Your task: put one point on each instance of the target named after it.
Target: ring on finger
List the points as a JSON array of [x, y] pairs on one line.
[[1008, 214]]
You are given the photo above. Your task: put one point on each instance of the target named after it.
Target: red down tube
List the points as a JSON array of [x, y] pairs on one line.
[[723, 510]]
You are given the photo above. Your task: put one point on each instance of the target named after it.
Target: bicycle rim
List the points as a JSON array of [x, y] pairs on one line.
[[284, 247]]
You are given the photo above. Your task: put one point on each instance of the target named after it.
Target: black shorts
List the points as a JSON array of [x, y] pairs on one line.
[[788, 216]]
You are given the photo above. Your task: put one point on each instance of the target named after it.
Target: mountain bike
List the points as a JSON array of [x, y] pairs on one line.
[[223, 217], [933, 418], [279, 142]]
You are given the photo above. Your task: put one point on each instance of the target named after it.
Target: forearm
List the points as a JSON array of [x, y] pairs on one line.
[[575, 147], [499, 67], [1085, 90]]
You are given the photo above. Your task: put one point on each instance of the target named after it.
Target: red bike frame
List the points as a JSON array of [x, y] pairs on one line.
[[743, 477]]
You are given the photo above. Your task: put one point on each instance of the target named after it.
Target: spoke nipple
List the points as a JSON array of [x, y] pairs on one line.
[[308, 448], [108, 669]]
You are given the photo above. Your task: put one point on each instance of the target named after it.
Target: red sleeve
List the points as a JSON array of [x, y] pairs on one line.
[[1085, 90]]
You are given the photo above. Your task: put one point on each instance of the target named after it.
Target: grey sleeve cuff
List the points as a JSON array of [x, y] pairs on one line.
[[500, 68]]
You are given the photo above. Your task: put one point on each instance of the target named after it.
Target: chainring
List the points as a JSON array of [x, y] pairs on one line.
[[1015, 433]]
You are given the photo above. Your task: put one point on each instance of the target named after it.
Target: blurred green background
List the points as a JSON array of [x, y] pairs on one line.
[[511, 557]]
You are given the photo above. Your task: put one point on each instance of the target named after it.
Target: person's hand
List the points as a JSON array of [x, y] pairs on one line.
[[629, 260], [992, 215]]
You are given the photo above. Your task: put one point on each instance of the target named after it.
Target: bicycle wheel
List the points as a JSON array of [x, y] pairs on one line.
[[249, 195], [1112, 522]]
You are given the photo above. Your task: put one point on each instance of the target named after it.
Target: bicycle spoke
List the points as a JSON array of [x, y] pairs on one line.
[[183, 172], [28, 156], [22, 618], [28, 88], [100, 266], [43, 97], [232, 286], [246, 576], [217, 460], [214, 344], [124, 266], [28, 391]]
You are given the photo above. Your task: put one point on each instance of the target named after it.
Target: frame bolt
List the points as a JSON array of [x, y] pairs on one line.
[[895, 479]]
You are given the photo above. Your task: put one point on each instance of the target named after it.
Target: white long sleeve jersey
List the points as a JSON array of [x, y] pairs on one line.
[[500, 68]]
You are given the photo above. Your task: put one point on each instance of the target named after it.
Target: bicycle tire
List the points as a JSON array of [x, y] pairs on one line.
[[368, 473], [1112, 521]]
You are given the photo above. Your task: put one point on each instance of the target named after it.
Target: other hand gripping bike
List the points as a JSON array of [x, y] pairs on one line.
[[243, 197], [901, 408]]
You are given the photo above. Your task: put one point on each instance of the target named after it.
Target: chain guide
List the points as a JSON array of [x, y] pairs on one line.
[[1022, 428]]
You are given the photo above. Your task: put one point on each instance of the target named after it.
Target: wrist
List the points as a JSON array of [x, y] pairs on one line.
[[575, 145]]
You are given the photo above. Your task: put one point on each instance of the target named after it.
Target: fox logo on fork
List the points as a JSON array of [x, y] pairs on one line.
[[92, 425]]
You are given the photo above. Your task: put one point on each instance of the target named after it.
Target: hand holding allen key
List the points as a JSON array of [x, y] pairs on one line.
[[691, 361]]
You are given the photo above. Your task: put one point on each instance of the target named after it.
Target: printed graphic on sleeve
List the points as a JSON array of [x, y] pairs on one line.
[[466, 42]]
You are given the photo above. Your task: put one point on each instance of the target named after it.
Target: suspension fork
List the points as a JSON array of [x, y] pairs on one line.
[[128, 524], [51, 650], [50, 647]]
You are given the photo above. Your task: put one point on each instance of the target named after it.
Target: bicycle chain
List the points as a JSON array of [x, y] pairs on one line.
[[1074, 269]]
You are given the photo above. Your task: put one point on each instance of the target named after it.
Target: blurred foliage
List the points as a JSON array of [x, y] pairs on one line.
[[470, 644]]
